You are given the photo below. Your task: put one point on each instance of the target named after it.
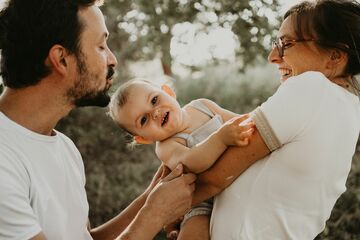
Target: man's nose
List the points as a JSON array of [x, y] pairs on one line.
[[111, 58], [156, 113]]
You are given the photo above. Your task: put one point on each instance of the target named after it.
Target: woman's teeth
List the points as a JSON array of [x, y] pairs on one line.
[[285, 72]]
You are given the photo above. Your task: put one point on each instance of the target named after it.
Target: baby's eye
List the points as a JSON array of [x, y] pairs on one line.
[[154, 100], [143, 121]]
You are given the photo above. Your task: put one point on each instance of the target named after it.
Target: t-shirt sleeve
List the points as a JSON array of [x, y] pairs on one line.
[[285, 114], [17, 219]]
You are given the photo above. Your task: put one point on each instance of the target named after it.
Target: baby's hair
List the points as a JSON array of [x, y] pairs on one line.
[[119, 99], [120, 96]]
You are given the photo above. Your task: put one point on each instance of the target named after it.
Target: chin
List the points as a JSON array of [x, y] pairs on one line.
[[284, 78], [100, 100]]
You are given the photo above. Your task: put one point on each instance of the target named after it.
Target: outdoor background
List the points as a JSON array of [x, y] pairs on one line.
[[214, 49]]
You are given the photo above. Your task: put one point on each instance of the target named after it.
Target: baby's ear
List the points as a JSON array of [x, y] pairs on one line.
[[168, 90], [142, 140]]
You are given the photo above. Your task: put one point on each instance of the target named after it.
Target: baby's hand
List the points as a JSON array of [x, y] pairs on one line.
[[233, 133]]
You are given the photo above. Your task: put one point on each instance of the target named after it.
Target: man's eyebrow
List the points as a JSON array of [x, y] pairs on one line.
[[105, 36]]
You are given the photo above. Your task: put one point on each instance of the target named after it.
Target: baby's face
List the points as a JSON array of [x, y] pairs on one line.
[[150, 113]]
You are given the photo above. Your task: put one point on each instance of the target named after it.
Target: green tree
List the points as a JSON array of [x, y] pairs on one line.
[[142, 29]]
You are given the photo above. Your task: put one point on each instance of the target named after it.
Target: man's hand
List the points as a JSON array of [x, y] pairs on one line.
[[171, 198], [162, 172]]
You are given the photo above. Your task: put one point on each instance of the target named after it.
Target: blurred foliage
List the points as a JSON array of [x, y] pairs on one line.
[[116, 175], [142, 29]]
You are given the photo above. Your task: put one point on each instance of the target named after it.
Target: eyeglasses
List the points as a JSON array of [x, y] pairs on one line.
[[282, 44]]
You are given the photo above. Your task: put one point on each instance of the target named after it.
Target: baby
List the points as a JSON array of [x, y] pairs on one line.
[[194, 135]]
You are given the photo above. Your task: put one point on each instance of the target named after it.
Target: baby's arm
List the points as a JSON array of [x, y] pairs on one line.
[[204, 154], [225, 114]]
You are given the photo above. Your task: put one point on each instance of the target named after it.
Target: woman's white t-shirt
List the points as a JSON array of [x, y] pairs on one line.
[[311, 126]]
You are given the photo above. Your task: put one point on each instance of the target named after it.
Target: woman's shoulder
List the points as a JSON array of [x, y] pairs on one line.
[[309, 77], [308, 82]]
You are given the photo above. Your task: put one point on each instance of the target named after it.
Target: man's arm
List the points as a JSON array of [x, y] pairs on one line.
[[112, 228], [145, 217], [228, 167], [122, 220]]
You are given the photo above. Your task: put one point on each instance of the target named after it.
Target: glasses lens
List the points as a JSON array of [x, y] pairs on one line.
[[278, 44]]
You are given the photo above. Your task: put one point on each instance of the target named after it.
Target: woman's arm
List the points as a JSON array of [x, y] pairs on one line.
[[200, 157], [228, 167]]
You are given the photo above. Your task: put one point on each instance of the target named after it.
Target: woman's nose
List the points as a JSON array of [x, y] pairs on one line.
[[274, 56]]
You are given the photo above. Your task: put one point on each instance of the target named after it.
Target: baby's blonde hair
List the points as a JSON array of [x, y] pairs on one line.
[[120, 97]]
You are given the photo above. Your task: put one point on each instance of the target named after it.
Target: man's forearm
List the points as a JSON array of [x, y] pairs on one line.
[[115, 226], [228, 167], [144, 226]]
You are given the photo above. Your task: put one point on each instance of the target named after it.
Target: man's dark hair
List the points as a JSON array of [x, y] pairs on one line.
[[29, 28]]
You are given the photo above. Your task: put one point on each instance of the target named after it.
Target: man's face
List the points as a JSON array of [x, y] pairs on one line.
[[95, 63]]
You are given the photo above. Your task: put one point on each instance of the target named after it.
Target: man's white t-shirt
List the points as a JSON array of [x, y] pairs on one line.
[[311, 126], [41, 185]]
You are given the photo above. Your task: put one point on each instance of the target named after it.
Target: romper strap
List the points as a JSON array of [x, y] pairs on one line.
[[184, 136], [197, 104]]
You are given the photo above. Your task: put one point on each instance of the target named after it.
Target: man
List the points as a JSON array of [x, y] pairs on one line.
[[54, 58]]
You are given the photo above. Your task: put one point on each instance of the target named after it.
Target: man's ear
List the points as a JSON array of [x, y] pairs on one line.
[[57, 59], [142, 140], [168, 90]]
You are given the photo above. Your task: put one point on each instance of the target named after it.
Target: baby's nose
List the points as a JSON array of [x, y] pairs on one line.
[[156, 113]]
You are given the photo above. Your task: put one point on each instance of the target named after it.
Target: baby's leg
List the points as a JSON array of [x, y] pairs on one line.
[[195, 228], [195, 225]]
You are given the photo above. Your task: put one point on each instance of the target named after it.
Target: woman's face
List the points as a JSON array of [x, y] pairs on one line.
[[298, 56]]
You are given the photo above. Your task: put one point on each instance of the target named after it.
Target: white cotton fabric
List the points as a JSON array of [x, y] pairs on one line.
[[41, 185], [290, 193]]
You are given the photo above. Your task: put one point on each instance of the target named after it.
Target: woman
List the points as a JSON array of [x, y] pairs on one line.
[[307, 132]]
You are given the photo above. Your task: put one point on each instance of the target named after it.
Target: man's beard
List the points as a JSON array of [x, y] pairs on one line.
[[81, 95], [101, 99]]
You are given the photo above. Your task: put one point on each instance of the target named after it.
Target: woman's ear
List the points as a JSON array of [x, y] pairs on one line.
[[337, 57], [141, 140], [168, 90]]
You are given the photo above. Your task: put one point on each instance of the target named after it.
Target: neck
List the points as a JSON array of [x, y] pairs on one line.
[[185, 121], [342, 81], [34, 108]]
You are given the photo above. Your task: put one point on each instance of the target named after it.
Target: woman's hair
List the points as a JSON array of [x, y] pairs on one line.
[[29, 29], [333, 24]]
